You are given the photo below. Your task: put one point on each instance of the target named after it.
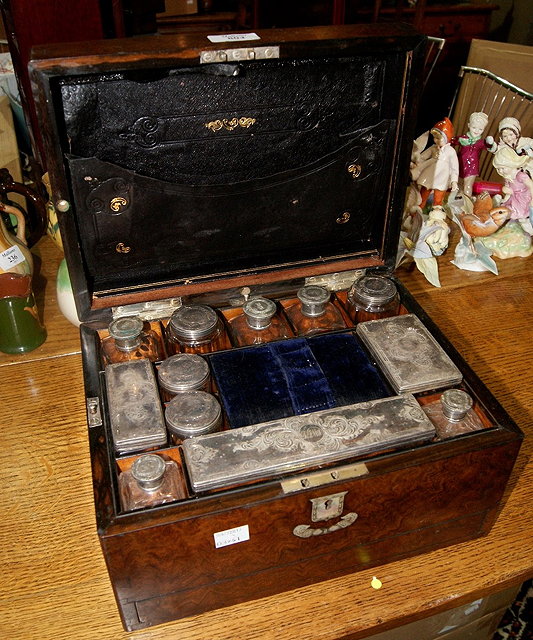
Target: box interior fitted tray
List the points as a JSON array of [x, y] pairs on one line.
[[187, 171]]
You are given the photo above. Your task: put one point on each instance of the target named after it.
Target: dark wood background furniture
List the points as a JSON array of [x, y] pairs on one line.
[[28, 24]]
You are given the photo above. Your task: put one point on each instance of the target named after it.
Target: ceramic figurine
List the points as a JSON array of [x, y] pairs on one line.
[[518, 188], [469, 148], [436, 170], [510, 131], [485, 219], [510, 241], [476, 220]]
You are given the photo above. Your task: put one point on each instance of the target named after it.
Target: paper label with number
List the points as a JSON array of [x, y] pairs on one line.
[[11, 257], [231, 536], [233, 37]]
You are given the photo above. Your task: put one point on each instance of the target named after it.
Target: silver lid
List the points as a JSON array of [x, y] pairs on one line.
[[407, 354], [183, 372], [374, 289], [148, 471], [259, 312], [455, 404], [193, 321], [126, 328], [135, 411], [313, 300], [279, 447], [192, 413]]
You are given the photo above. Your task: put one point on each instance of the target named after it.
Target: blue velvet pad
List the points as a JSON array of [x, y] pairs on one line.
[[345, 364], [292, 377]]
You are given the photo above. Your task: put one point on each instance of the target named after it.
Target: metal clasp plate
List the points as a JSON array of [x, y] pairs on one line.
[[239, 55], [324, 477], [94, 416]]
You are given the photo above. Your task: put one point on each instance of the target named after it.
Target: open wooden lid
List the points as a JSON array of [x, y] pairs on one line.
[[181, 165]]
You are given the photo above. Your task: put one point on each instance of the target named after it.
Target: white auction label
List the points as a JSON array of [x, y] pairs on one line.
[[11, 257], [231, 536], [232, 37]]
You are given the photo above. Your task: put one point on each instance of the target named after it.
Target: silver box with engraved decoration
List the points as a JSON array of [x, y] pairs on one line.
[[408, 355], [270, 449]]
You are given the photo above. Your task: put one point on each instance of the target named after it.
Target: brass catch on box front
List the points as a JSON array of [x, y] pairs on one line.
[[230, 125], [326, 508], [324, 477]]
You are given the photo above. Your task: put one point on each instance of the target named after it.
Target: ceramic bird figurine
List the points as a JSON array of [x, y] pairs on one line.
[[484, 219]]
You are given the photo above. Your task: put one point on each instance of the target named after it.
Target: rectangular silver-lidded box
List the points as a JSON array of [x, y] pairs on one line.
[[269, 449], [408, 355], [135, 411]]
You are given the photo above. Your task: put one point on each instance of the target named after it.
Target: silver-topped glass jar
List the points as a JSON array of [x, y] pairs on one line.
[[195, 328], [258, 323], [453, 414], [128, 340], [150, 481], [182, 372], [314, 312], [372, 297], [192, 413], [148, 471]]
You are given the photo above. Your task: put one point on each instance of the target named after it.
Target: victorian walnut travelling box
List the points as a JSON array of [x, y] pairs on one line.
[[221, 180]]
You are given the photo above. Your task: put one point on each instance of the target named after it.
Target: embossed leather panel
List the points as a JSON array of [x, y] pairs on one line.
[[134, 228], [224, 124]]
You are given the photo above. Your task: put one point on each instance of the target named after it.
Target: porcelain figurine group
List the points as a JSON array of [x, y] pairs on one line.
[[443, 183]]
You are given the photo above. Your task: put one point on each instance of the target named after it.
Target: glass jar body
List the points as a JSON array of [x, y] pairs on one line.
[[215, 341], [372, 298], [147, 345], [134, 496], [305, 325], [242, 334], [447, 428]]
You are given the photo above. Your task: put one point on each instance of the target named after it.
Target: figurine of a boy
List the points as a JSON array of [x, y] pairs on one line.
[[469, 147]]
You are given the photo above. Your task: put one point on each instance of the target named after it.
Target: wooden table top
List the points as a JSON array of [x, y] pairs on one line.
[[54, 583]]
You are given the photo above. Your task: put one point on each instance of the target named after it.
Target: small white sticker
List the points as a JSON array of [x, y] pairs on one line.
[[11, 257], [231, 536], [232, 37]]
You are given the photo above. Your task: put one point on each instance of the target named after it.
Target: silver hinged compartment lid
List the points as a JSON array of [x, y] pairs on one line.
[[269, 449], [408, 355]]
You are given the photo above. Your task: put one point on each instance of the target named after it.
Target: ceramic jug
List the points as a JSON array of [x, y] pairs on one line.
[[20, 327]]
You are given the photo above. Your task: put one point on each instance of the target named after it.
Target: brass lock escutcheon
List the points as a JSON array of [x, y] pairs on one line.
[[354, 170], [342, 219], [118, 204], [122, 248]]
